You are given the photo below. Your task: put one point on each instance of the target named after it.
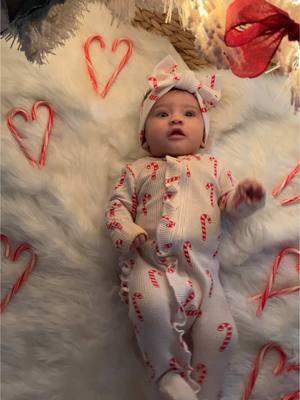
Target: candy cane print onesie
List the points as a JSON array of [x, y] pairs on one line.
[[171, 284]]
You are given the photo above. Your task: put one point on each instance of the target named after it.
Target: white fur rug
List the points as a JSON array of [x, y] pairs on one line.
[[65, 336]]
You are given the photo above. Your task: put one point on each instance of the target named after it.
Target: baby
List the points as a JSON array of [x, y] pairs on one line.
[[164, 217]]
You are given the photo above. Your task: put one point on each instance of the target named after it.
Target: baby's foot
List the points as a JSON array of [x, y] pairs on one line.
[[174, 387]]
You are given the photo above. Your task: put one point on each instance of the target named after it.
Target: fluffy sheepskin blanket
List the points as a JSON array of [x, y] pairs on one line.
[[65, 335]]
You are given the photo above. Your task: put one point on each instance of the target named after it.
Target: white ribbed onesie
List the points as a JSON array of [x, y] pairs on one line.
[[172, 283]]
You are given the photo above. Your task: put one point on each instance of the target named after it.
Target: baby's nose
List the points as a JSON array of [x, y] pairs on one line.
[[175, 121]]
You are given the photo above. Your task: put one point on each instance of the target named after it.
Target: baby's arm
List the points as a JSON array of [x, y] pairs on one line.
[[120, 214], [247, 197]]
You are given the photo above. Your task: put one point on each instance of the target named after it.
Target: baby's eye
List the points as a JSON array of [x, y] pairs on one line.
[[190, 113], [162, 114]]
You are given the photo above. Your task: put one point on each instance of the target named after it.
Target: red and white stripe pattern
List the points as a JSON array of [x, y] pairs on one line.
[[212, 81], [128, 166], [154, 167], [121, 181], [204, 219], [135, 297], [193, 313], [172, 179], [167, 196], [190, 297], [188, 172], [171, 269], [229, 174], [268, 293], [152, 273], [119, 243], [115, 205], [208, 273], [225, 326], [134, 204], [187, 246], [114, 225], [154, 97], [202, 372], [257, 365], [168, 221], [215, 165], [211, 188], [146, 198]]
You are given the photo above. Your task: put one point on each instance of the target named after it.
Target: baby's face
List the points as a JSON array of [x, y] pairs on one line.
[[175, 125]]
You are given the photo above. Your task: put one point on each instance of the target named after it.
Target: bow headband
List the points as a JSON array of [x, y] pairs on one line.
[[166, 77]]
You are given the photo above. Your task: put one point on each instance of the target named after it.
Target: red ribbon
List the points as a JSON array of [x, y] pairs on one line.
[[255, 28]]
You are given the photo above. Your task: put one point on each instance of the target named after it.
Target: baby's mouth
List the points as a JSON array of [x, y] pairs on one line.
[[176, 132]]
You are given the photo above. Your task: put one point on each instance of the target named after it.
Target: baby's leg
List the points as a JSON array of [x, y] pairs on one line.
[[150, 312], [214, 336]]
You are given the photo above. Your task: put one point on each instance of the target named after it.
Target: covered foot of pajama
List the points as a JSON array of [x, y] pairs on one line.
[[173, 387]]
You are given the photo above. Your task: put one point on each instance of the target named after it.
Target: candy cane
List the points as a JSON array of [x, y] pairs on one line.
[[169, 223], [189, 298], [119, 243], [154, 166], [128, 166], [193, 313], [115, 205], [16, 287], [215, 164], [167, 196], [153, 97], [202, 370], [171, 269], [278, 189], [172, 179], [188, 172], [134, 204], [212, 81], [121, 181], [261, 355], [290, 200], [152, 273], [186, 247], [267, 292], [114, 225], [146, 198], [208, 273], [210, 187], [292, 396], [225, 326], [7, 249], [135, 297], [204, 219]]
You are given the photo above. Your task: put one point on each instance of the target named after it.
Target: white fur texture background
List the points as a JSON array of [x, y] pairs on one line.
[[65, 336]]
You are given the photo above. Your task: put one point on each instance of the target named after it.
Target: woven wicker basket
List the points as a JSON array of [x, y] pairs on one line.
[[182, 40]]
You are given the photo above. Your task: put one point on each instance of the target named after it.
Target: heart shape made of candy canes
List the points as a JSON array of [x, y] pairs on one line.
[[13, 257], [32, 117], [90, 67]]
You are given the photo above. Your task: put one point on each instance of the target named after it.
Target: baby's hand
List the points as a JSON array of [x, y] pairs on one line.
[[249, 192], [139, 241]]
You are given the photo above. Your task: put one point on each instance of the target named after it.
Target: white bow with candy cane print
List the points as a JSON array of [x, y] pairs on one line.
[[166, 77]]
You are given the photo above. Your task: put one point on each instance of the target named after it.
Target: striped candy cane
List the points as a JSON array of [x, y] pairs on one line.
[[292, 396], [121, 181], [135, 297], [215, 165], [119, 243], [128, 166], [202, 372], [212, 81], [210, 187], [205, 219], [188, 172], [171, 269], [187, 246], [278, 189], [115, 205], [146, 198], [189, 298], [225, 326], [268, 290], [134, 204], [152, 273], [172, 179], [114, 225], [257, 365], [154, 166], [208, 273], [169, 222], [167, 196], [14, 257]]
